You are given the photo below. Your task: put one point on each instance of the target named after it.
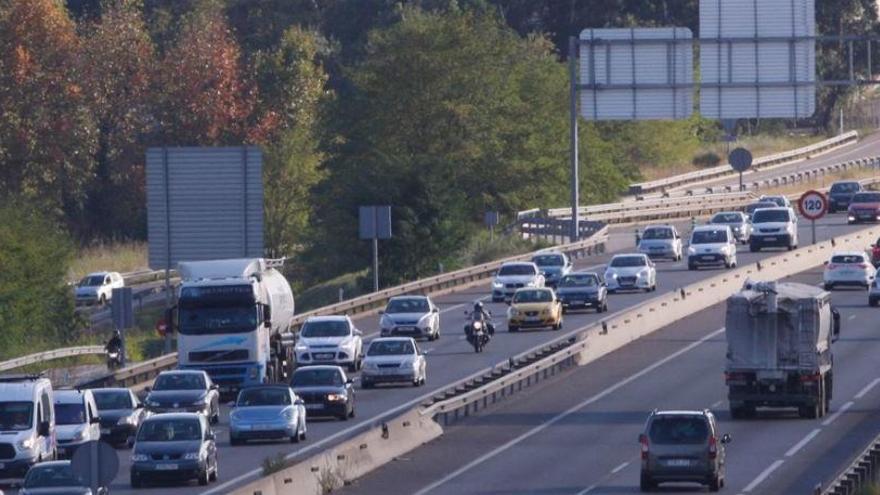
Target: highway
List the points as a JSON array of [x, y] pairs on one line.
[[578, 433], [450, 359]]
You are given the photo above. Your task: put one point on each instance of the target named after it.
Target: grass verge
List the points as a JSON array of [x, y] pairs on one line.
[[118, 257]]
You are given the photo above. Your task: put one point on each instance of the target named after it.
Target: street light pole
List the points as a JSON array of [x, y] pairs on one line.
[[572, 76]]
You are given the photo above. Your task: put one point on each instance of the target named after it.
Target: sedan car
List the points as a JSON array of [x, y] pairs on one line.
[[553, 265], [864, 207], [514, 275], [325, 391], [174, 446], [841, 194], [184, 390], [121, 414], [267, 412], [413, 316], [582, 290], [534, 308], [330, 340], [394, 360], [712, 245], [849, 268], [631, 272], [661, 241], [55, 478], [737, 221], [97, 288]]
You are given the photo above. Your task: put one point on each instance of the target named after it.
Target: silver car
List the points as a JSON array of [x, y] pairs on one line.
[[394, 360], [267, 412], [737, 221], [415, 316], [631, 272], [661, 241]]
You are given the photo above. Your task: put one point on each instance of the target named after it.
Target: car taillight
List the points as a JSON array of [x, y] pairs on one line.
[[862, 266], [811, 378], [643, 442], [713, 447], [831, 266], [734, 376]]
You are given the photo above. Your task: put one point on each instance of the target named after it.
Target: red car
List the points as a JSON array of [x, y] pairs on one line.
[[875, 253], [864, 207]]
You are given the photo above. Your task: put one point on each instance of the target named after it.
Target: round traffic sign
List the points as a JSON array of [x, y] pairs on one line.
[[96, 463], [813, 205], [740, 159]]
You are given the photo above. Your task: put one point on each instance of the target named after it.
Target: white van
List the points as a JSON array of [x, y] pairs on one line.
[[76, 420], [711, 245], [27, 424]]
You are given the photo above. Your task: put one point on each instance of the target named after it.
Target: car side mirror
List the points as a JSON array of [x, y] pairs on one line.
[[299, 402], [210, 436], [231, 404], [148, 389], [139, 405], [95, 420], [381, 311], [435, 310], [643, 438], [43, 429], [214, 386], [358, 333], [726, 438], [349, 381]]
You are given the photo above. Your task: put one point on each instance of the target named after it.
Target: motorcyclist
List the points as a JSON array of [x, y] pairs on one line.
[[114, 346], [483, 315]]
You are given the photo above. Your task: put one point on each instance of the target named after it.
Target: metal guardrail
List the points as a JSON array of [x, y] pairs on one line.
[[134, 374], [863, 472], [597, 212], [50, 355]]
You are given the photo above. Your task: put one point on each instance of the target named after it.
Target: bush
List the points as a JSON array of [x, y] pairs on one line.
[[707, 159]]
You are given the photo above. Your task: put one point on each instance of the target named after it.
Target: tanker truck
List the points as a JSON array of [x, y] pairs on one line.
[[779, 338], [233, 320]]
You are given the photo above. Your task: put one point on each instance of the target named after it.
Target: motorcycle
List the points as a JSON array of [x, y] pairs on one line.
[[478, 332], [114, 359]]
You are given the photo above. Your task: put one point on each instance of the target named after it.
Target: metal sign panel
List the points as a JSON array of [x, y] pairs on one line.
[[204, 203], [636, 74], [122, 308], [374, 222], [757, 58]]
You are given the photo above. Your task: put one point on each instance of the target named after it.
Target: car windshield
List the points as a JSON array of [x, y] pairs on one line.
[[532, 296], [92, 281], [112, 399], [264, 397], [870, 197], [170, 430], [845, 187], [390, 348], [548, 260], [517, 270], [578, 280], [678, 430], [69, 414], [847, 258], [709, 236], [727, 218], [628, 261], [657, 234], [59, 475], [325, 329], [316, 377], [415, 305], [757, 206], [179, 381], [766, 216], [16, 416]]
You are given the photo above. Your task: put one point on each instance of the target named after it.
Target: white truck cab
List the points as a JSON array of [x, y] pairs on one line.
[[76, 420], [27, 424]]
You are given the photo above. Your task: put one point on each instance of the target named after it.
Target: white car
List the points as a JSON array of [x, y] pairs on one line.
[[780, 200], [97, 288], [394, 360], [414, 316], [515, 275], [712, 245], [874, 291], [330, 340], [631, 272], [661, 241], [76, 420], [774, 227], [848, 268]]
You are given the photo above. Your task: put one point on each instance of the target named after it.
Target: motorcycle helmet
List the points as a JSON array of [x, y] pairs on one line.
[[478, 306]]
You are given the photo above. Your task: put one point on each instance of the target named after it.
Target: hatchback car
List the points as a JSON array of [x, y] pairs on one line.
[[515, 275], [849, 268], [682, 446], [184, 391], [661, 241], [582, 290], [76, 420], [874, 291], [174, 447], [712, 245], [325, 391], [864, 207], [840, 195], [774, 227], [553, 265], [534, 308], [411, 316], [55, 478], [737, 221], [267, 412], [631, 272], [330, 340], [121, 414], [97, 288], [394, 360]]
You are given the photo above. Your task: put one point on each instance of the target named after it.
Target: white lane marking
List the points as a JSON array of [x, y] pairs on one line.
[[543, 426], [851, 317], [863, 392], [763, 476], [837, 414], [798, 446], [717, 404], [620, 468], [587, 490]]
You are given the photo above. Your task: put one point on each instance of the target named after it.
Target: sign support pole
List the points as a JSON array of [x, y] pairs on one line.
[[375, 264], [740, 181], [572, 77], [813, 229]]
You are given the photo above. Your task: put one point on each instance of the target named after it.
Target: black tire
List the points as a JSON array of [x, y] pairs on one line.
[[512, 328], [691, 266], [753, 248], [366, 384], [204, 477], [215, 418], [235, 441], [828, 286], [351, 412], [872, 302], [646, 484], [343, 417], [136, 481], [215, 474], [715, 483]]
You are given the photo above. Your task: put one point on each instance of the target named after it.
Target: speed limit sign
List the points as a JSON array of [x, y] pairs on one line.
[[813, 205]]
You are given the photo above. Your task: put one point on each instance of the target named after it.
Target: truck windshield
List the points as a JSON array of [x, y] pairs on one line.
[[16, 416], [221, 309]]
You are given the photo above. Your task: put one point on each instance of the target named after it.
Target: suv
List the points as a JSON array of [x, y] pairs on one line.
[[97, 288], [27, 419], [682, 446], [76, 420], [330, 340], [841, 194], [774, 227]]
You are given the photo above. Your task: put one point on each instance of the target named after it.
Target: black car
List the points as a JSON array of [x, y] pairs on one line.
[[325, 390], [582, 290], [184, 391], [174, 447], [840, 195], [121, 414]]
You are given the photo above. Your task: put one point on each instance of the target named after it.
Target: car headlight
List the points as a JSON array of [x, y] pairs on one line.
[[610, 275], [127, 420], [497, 285], [370, 366], [287, 414], [531, 283], [151, 403], [692, 250], [643, 273], [139, 458], [233, 417], [79, 435], [336, 397], [194, 456], [26, 444], [301, 348], [514, 312]]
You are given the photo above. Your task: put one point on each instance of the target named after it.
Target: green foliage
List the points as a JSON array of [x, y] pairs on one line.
[[326, 293]]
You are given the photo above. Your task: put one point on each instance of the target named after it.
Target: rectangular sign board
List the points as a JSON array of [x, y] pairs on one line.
[[374, 222], [757, 58], [636, 74], [204, 203]]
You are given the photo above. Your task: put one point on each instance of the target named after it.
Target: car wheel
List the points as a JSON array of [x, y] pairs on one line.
[[646, 484], [715, 483], [828, 286], [235, 441], [691, 266], [366, 384], [102, 300], [136, 481], [343, 416], [558, 326], [215, 475], [204, 477], [753, 248], [353, 367], [511, 328], [302, 433], [351, 412], [872, 302]]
